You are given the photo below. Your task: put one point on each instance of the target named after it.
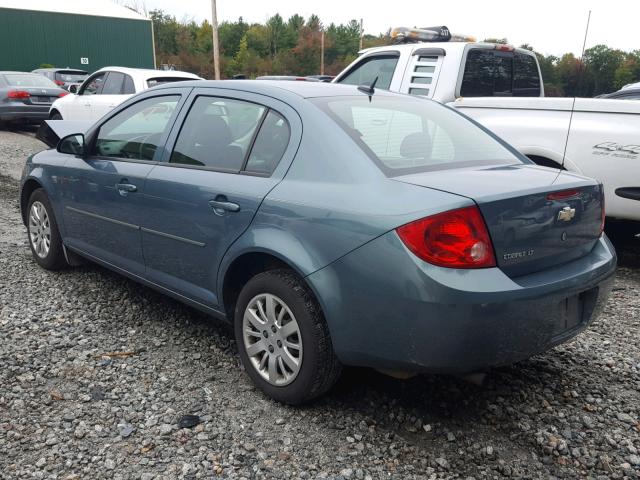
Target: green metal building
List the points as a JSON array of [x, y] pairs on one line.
[[73, 33]]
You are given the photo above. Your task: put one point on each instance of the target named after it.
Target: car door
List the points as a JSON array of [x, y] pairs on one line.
[[111, 95], [103, 205], [79, 106], [201, 198]]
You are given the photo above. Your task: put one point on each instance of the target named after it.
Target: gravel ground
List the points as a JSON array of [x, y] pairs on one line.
[[97, 374]]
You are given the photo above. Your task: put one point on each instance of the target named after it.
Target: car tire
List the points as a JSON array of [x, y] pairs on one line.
[[43, 234], [318, 367], [56, 116]]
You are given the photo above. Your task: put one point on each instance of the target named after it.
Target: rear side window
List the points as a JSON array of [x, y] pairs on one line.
[[70, 76], [366, 71], [136, 132], [128, 88], [217, 133], [490, 73], [526, 79], [270, 144], [407, 135], [113, 84]]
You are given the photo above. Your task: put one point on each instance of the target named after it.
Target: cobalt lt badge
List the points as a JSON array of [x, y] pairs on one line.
[[566, 214]]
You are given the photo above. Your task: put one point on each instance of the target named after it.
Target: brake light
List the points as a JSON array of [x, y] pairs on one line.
[[453, 239], [62, 94], [18, 94], [504, 48], [563, 195], [59, 83]]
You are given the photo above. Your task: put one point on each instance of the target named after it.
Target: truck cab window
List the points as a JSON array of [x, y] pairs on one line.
[[366, 71]]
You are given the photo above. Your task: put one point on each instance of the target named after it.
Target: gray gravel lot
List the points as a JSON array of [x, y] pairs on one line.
[[97, 371]]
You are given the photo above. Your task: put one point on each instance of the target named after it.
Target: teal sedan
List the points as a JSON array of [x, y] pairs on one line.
[[332, 225]]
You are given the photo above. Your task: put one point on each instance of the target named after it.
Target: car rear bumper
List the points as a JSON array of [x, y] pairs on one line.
[[387, 309], [21, 112]]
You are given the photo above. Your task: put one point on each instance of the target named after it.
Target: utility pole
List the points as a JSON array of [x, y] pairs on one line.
[[322, 52], [216, 47], [361, 34]]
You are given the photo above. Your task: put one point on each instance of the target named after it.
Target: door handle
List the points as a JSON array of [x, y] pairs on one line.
[[221, 205], [126, 188]]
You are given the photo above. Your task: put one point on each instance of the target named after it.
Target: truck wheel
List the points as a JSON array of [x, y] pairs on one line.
[[283, 339]]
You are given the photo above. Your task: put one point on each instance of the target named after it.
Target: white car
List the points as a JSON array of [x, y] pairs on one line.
[[501, 87], [109, 87]]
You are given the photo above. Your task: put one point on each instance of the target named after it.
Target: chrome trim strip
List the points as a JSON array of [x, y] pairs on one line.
[[106, 219], [173, 237]]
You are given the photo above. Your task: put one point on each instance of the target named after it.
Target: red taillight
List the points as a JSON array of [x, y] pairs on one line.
[[454, 239], [18, 94], [63, 94], [563, 195], [59, 83]]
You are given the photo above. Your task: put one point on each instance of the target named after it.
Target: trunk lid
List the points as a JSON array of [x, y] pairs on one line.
[[537, 217]]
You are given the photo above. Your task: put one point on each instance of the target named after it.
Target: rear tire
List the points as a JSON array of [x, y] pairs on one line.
[[44, 238], [295, 331]]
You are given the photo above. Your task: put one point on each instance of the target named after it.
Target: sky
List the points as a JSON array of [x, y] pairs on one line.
[[550, 26]]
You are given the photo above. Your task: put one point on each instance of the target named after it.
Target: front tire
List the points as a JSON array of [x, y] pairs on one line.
[[283, 339], [44, 238], [56, 116]]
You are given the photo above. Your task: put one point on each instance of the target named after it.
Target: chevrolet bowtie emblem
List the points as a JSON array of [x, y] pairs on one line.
[[566, 214]]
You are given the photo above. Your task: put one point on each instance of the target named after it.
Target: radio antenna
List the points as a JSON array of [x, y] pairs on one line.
[[578, 82]]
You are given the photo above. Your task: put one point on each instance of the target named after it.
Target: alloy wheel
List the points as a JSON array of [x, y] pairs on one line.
[[272, 339]]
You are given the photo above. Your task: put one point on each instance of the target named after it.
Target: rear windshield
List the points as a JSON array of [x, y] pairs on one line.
[[28, 80], [408, 135], [154, 82], [71, 77]]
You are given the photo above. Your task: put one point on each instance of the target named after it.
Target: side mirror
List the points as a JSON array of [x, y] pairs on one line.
[[72, 144], [73, 88]]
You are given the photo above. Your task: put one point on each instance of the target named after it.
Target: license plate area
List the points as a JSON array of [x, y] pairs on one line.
[[574, 311], [38, 99]]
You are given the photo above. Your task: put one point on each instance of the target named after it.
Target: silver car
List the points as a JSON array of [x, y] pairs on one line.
[[26, 97]]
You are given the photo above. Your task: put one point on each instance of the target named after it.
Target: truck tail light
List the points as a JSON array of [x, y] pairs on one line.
[[454, 239], [18, 94]]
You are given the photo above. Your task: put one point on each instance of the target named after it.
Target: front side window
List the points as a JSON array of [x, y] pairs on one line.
[[113, 84], [136, 132], [407, 135], [93, 85], [365, 72], [217, 133]]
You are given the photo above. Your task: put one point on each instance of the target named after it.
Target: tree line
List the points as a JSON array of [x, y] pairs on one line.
[[293, 46]]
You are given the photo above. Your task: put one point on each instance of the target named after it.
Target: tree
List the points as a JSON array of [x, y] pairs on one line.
[[602, 63]]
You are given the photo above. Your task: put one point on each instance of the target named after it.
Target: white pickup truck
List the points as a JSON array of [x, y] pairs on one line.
[[501, 87]]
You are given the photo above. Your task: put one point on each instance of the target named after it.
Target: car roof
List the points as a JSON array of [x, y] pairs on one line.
[[3, 72], [58, 69], [276, 87], [149, 73], [448, 46]]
